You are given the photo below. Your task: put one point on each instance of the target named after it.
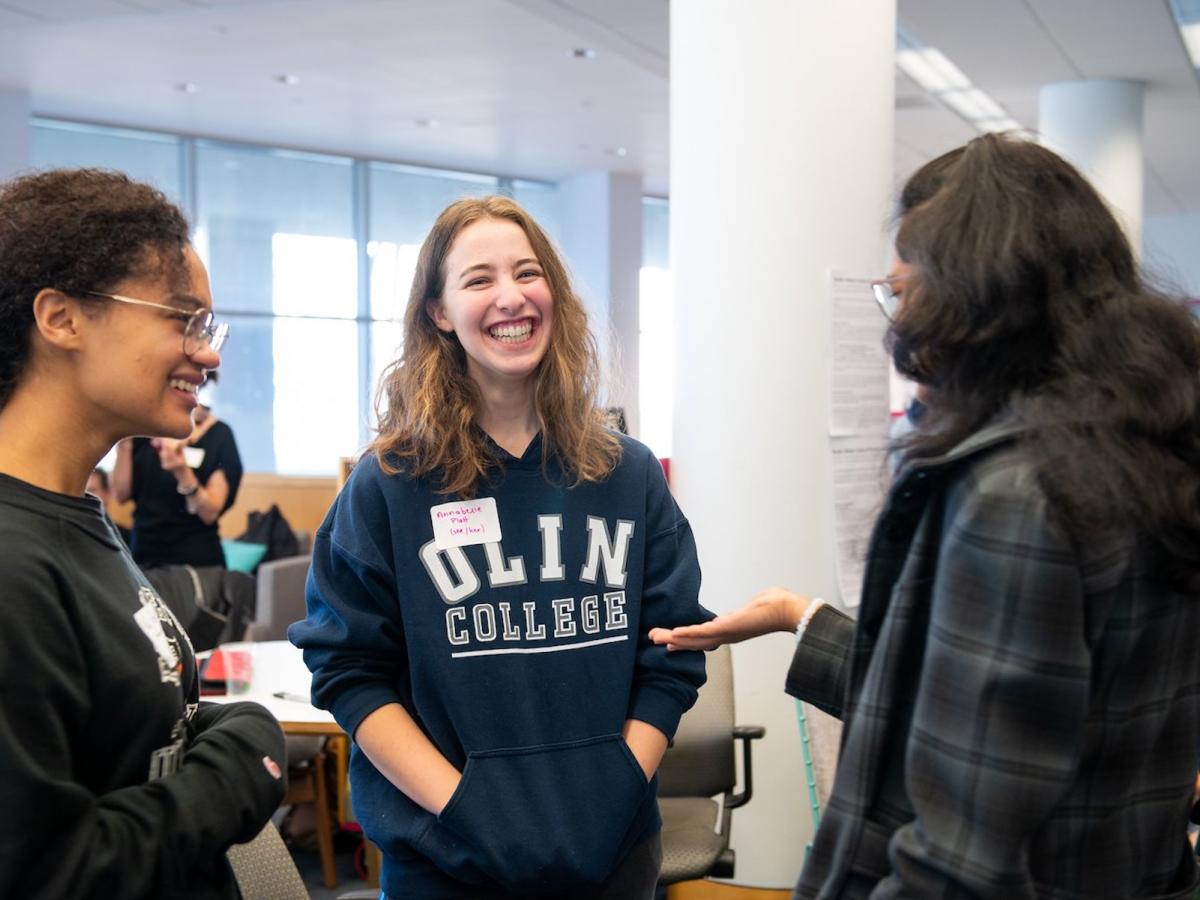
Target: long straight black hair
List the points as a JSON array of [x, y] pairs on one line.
[[1026, 300]]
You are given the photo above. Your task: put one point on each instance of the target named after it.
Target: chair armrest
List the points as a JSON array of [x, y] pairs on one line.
[[747, 734]]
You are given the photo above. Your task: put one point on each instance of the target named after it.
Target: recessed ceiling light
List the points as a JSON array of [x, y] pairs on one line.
[[287, 79], [187, 87], [583, 53], [617, 151]]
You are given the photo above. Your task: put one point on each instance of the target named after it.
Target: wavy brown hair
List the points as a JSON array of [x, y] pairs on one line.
[[427, 402], [1026, 300]]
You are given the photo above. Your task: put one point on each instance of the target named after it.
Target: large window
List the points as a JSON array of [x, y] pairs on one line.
[[154, 158], [277, 233], [310, 259]]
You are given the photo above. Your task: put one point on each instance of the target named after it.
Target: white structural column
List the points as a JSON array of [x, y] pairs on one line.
[[16, 132], [1097, 125], [781, 169], [601, 215]]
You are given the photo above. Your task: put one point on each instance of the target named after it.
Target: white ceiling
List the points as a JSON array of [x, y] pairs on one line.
[[499, 79]]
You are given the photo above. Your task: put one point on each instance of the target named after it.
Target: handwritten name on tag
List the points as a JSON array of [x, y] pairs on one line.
[[465, 522]]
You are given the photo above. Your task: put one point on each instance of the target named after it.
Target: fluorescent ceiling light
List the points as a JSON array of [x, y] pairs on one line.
[[930, 68], [991, 109], [1191, 39], [914, 64], [950, 73], [937, 75]]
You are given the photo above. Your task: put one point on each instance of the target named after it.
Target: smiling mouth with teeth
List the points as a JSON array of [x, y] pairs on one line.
[[512, 333], [181, 385]]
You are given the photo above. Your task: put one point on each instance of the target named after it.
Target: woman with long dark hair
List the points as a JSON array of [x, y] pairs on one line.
[[1021, 691]]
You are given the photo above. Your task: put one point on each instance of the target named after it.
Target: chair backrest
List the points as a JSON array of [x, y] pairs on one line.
[[265, 870], [280, 600], [700, 762]]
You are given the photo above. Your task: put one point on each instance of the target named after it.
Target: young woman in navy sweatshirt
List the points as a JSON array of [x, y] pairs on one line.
[[482, 589]]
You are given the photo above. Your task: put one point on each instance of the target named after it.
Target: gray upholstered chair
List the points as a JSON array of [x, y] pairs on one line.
[[698, 767], [280, 597], [264, 869]]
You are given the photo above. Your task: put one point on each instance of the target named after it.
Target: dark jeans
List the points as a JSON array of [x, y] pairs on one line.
[[634, 879]]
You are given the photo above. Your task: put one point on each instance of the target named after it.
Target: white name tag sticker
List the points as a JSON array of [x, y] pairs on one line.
[[193, 456], [147, 620], [465, 522]]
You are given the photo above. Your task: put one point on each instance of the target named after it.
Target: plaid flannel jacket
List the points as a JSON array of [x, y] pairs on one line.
[[1022, 713]]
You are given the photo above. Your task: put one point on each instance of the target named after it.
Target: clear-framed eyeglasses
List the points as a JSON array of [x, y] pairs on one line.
[[886, 296], [200, 330]]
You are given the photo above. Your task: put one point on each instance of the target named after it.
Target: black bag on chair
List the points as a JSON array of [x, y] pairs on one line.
[[211, 603], [271, 530]]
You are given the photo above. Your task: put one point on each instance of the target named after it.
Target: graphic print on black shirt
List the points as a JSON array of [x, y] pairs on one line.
[[173, 649]]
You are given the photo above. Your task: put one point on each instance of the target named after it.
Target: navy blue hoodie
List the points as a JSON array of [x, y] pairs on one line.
[[520, 659]]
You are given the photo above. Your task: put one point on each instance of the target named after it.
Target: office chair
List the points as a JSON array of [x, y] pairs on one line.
[[698, 766], [280, 600]]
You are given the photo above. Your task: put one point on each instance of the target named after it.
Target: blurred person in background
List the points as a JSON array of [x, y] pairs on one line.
[[180, 489]]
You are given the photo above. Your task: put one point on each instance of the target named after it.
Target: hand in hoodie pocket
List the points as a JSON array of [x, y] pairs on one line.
[[540, 818]]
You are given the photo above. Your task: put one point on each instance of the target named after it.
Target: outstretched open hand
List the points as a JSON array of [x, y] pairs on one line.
[[775, 609]]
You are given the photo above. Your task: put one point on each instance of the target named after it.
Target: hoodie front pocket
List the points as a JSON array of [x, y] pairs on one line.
[[541, 818]]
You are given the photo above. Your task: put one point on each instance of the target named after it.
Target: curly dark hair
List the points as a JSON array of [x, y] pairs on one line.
[[76, 230], [1026, 300]]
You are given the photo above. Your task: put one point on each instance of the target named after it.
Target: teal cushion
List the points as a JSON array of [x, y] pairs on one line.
[[241, 556]]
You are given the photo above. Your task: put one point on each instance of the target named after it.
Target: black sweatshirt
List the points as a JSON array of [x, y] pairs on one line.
[[114, 781]]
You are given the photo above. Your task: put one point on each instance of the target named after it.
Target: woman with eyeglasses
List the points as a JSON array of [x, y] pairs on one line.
[[1021, 690], [180, 489], [114, 780]]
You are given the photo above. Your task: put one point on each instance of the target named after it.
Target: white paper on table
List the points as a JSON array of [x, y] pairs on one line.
[[860, 481], [859, 378]]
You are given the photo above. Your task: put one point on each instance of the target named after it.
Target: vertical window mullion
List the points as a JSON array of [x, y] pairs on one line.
[[362, 230]]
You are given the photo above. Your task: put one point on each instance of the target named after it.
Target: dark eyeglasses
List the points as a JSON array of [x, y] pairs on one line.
[[200, 331]]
